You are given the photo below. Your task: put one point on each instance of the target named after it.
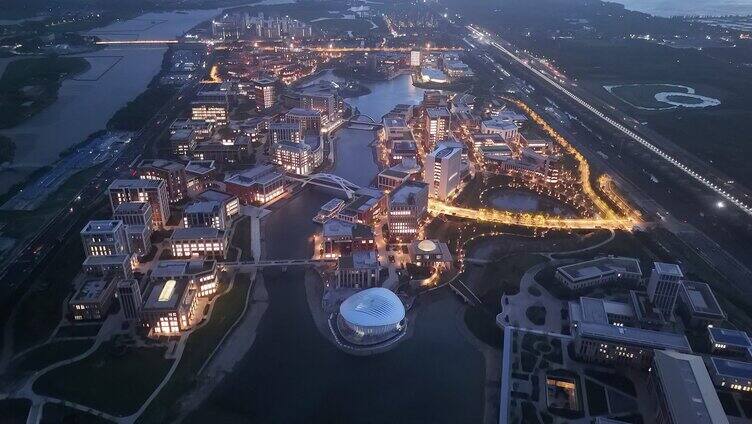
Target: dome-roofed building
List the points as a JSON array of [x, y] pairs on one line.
[[371, 316]]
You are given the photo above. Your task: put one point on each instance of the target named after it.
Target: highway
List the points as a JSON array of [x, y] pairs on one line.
[[706, 181]]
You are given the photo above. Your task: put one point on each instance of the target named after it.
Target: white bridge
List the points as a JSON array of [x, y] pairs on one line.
[[330, 181], [246, 265]]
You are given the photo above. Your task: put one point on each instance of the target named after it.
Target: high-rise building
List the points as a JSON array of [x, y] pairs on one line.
[[153, 192], [137, 218], [173, 173], [442, 171], [264, 92], [663, 286], [437, 124], [129, 294], [104, 238]]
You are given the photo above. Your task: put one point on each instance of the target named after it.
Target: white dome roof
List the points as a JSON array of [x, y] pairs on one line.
[[427, 246], [372, 308]]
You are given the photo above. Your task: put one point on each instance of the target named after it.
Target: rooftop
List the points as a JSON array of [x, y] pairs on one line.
[[701, 299], [729, 337], [200, 167], [166, 294], [731, 368], [437, 112], [196, 233], [407, 192], [136, 184], [373, 307], [359, 259], [91, 290], [209, 206], [102, 226], [164, 164], [635, 336], [688, 390], [215, 195], [131, 208], [256, 175], [105, 260], [668, 269], [299, 111], [600, 267], [179, 268]]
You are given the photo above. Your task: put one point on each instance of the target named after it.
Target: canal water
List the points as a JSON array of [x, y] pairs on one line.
[[86, 102], [292, 374]]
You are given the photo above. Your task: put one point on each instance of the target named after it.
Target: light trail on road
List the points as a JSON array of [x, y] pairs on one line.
[[622, 128], [437, 207]]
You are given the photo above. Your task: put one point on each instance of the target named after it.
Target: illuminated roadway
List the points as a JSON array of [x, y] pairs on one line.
[[528, 220], [631, 134], [279, 48]]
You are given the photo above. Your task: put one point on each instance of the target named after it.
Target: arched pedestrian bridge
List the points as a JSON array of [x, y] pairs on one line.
[[330, 181]]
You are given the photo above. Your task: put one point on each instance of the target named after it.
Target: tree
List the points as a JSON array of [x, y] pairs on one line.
[[7, 150]]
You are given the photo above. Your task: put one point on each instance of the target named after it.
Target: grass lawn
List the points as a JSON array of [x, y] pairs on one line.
[[14, 411], [113, 382], [55, 413], [615, 380], [29, 85], [500, 277], [50, 353], [198, 348], [596, 398], [536, 315], [78, 330]]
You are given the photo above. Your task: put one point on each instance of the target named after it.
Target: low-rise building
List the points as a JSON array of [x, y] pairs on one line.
[[728, 342], [299, 158], [285, 131], [133, 213], [408, 206], [359, 270], [610, 344], [231, 151], [430, 253], [395, 129], [104, 237], [403, 150], [111, 265], [598, 272], [170, 307], [731, 374], [182, 142], [364, 208], [153, 192], [200, 174], [171, 172], [503, 126], [684, 390], [200, 273], [341, 238], [92, 300], [258, 185], [600, 311], [213, 111], [205, 242], [309, 120], [390, 178], [698, 305]]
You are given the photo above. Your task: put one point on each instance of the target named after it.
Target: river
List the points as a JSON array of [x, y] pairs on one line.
[[292, 374], [668, 8], [86, 102]]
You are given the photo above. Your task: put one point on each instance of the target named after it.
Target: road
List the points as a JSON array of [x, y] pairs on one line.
[[20, 272], [709, 181], [712, 237]]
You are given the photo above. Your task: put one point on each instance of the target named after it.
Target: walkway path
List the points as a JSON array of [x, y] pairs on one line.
[[514, 307]]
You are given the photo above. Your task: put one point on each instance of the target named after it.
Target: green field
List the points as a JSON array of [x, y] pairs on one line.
[[51, 353], [29, 85], [642, 96], [199, 346], [113, 381]]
